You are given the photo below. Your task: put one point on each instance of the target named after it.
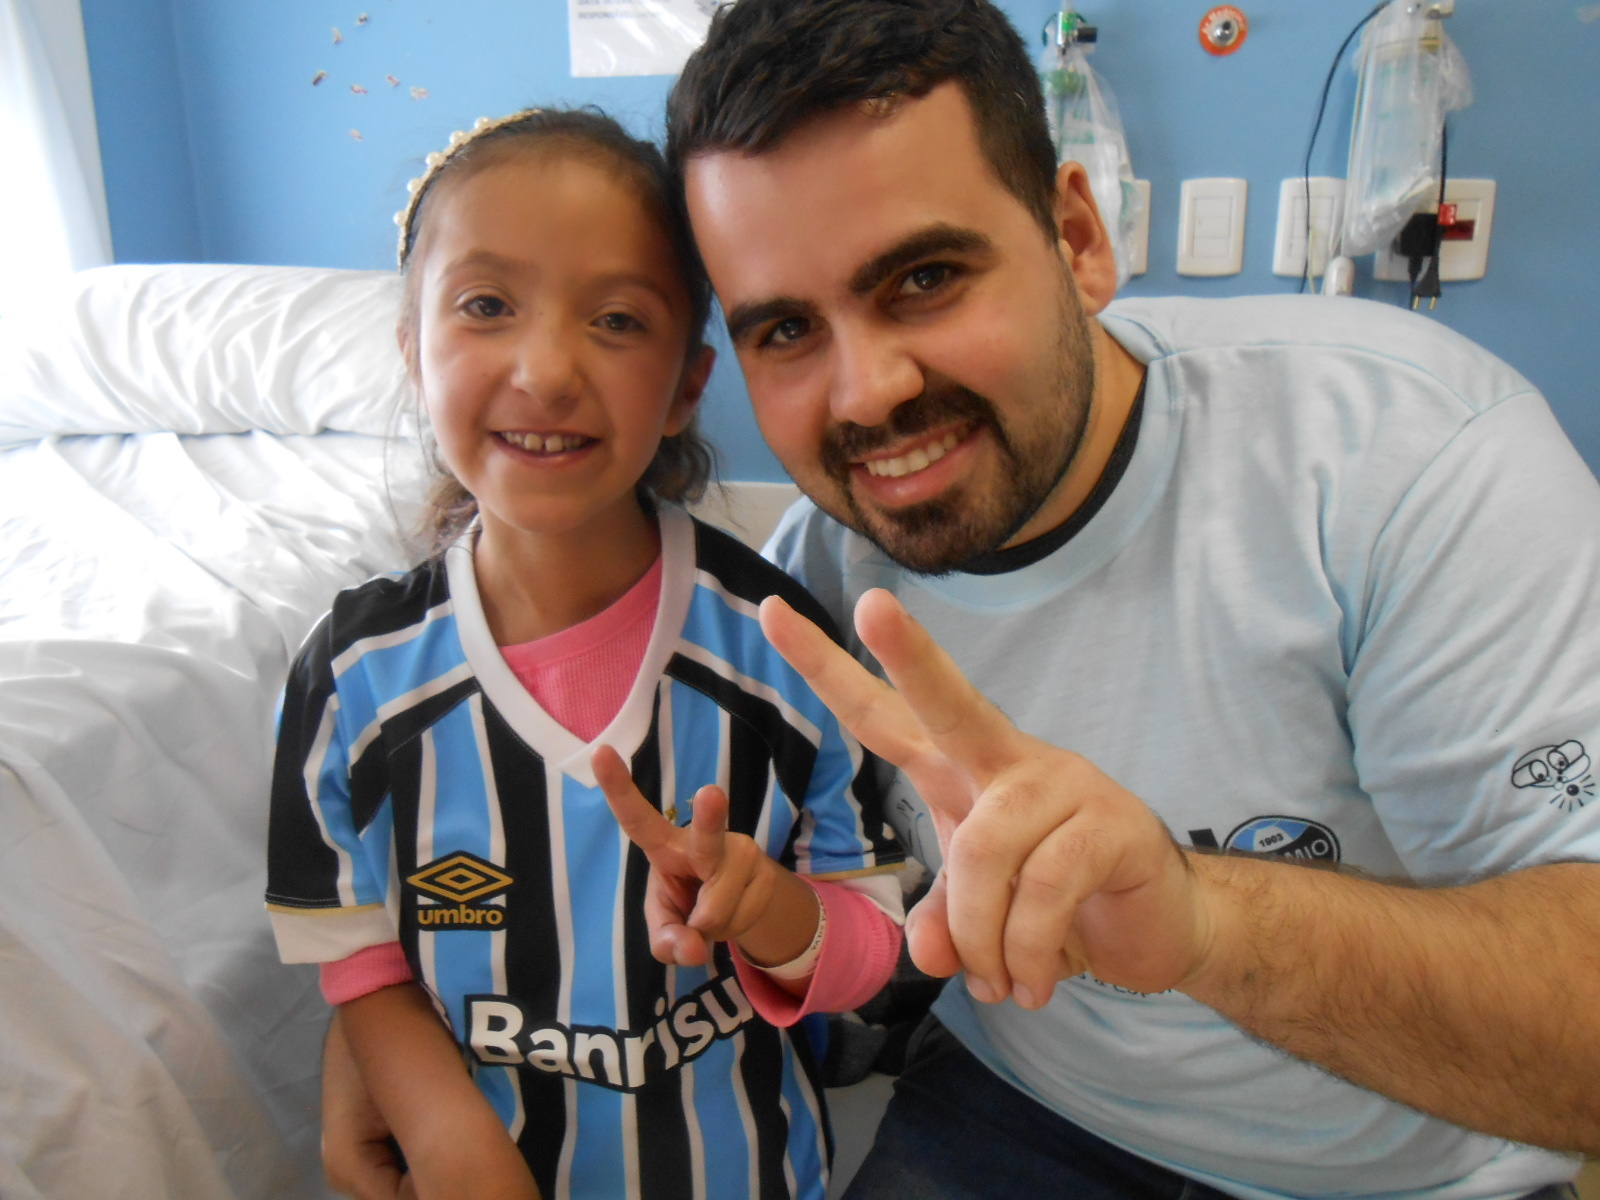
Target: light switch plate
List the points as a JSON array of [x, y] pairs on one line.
[[1139, 256], [1458, 260], [1327, 201], [1211, 226]]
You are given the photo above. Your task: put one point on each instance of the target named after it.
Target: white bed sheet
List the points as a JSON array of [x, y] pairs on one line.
[[154, 589]]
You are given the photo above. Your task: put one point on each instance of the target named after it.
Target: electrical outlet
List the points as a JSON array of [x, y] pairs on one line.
[[1327, 204], [1211, 226], [1467, 218]]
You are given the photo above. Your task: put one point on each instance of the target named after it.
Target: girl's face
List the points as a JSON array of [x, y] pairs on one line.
[[551, 342]]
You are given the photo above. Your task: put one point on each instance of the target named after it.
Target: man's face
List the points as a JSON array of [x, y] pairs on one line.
[[913, 341]]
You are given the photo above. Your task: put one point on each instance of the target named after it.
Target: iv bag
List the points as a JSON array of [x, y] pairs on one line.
[[1086, 128], [1411, 75]]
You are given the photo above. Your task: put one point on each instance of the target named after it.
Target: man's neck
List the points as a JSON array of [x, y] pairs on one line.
[[1118, 377], [1025, 554]]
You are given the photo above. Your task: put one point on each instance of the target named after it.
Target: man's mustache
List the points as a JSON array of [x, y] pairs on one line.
[[939, 404]]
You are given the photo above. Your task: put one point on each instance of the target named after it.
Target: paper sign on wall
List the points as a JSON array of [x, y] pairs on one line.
[[636, 37]]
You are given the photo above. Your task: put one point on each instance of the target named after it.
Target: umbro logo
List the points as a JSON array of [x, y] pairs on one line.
[[458, 890]]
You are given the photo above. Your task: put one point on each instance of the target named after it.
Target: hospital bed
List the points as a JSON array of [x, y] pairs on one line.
[[193, 459]]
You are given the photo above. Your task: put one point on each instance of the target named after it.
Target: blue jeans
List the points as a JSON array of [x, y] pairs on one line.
[[956, 1131]]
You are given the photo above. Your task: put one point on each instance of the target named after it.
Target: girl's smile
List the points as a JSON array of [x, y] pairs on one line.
[[547, 445]]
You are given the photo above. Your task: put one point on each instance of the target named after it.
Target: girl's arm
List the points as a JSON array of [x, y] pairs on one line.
[[358, 1152], [454, 1143], [708, 885], [786, 928], [851, 961]]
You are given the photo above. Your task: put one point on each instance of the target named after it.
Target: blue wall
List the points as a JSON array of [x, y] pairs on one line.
[[144, 137], [217, 146]]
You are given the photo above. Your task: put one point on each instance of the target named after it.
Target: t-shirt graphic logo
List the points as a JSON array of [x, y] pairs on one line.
[[1285, 837], [1563, 769], [465, 884], [506, 1032]]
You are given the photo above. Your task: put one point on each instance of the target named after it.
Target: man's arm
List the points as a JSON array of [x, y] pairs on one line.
[[1476, 1004], [454, 1143]]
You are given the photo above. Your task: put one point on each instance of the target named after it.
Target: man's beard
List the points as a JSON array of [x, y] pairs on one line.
[[937, 536]]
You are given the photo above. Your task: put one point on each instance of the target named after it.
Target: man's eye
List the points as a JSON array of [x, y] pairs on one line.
[[789, 330], [487, 307], [927, 278]]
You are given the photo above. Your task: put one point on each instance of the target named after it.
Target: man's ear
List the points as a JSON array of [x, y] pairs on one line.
[[1085, 241], [691, 385]]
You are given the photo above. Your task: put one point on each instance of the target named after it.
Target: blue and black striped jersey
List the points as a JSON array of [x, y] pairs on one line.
[[420, 792]]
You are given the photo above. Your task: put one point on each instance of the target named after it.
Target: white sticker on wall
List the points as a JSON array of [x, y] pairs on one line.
[[635, 37]]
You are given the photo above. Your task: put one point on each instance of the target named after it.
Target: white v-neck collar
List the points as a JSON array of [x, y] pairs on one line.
[[553, 741]]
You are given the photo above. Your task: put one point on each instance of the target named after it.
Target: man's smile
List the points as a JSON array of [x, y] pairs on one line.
[[917, 459]]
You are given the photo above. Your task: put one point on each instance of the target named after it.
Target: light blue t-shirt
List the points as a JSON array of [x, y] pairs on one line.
[[1342, 606]]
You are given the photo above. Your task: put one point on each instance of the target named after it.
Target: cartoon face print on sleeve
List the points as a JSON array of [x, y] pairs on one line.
[[1564, 770]]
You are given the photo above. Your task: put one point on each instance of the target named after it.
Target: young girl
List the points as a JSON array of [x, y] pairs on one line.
[[441, 838]]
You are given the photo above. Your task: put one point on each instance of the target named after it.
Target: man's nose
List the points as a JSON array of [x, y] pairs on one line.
[[874, 373]]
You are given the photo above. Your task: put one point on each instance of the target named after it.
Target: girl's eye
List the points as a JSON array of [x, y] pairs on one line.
[[619, 322], [487, 307], [927, 278]]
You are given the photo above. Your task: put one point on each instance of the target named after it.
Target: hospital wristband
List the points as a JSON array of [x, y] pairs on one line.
[[805, 963]]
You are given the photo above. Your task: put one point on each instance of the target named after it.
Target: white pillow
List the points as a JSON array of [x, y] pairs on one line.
[[206, 349]]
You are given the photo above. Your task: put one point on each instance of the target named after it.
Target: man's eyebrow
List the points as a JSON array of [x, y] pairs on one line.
[[746, 317], [925, 243]]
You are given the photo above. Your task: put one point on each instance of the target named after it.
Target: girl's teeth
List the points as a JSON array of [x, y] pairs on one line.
[[553, 443], [916, 460]]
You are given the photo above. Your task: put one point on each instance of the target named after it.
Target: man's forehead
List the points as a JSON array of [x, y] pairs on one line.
[[806, 217], [876, 119], [841, 165]]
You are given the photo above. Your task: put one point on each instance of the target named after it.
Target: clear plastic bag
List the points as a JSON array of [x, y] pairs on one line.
[[1411, 75], [1087, 128]]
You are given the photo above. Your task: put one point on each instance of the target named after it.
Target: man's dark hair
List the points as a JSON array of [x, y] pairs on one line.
[[767, 66]]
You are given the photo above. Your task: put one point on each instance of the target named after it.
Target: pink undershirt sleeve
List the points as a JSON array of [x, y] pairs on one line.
[[860, 947], [859, 950], [364, 972]]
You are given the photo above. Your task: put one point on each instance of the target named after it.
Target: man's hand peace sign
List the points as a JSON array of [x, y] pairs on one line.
[[1051, 868]]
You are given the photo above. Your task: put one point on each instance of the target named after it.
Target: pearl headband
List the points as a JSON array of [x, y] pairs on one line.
[[435, 163]]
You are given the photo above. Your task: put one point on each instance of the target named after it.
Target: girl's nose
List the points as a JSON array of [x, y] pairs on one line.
[[545, 364], [874, 373]]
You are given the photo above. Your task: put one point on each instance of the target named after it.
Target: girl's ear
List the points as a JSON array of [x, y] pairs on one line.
[[691, 385], [1084, 240], [405, 334]]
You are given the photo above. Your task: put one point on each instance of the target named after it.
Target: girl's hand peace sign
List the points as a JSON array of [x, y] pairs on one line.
[[707, 884]]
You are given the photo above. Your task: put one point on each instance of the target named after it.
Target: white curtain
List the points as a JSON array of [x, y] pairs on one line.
[[52, 199]]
